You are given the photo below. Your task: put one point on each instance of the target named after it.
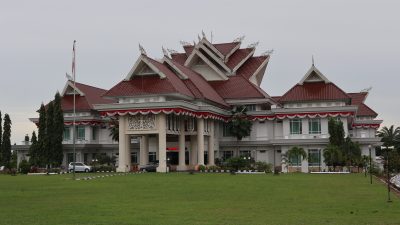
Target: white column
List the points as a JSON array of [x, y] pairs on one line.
[[144, 150], [200, 141], [162, 143], [128, 152], [122, 167], [211, 144], [182, 164], [193, 151]]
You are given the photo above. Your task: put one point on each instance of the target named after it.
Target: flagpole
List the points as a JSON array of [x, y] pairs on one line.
[[73, 123]]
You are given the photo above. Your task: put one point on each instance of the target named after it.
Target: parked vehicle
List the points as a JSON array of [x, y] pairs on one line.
[[151, 167], [79, 167]]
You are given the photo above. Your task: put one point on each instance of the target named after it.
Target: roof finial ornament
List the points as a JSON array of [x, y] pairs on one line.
[[171, 51], [366, 90], [253, 45], [211, 37], [239, 39], [185, 43], [268, 52], [202, 33], [312, 59], [164, 51], [198, 37], [142, 51]]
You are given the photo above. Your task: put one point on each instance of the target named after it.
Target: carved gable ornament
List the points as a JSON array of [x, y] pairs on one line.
[[142, 122]]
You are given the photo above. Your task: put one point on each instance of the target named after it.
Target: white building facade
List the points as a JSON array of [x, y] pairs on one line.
[[175, 111]]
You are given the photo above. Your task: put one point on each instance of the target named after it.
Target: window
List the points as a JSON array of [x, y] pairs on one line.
[[205, 158], [67, 134], [80, 132], [295, 126], [227, 130], [245, 153], [295, 160], [152, 157], [227, 155], [94, 133], [134, 157], [314, 126], [314, 157], [250, 107]]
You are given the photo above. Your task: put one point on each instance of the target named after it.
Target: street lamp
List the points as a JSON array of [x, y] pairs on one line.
[[370, 163], [166, 166], [387, 169]]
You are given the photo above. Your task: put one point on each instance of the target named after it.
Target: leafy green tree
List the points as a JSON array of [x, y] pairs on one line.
[[236, 163], [240, 126], [34, 151], [114, 129], [390, 136], [48, 146], [41, 135], [58, 129], [336, 132], [297, 153], [332, 156], [6, 142], [351, 152]]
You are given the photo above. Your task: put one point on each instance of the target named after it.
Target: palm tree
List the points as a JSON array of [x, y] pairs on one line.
[[240, 126], [390, 136], [114, 129], [297, 153], [332, 156]]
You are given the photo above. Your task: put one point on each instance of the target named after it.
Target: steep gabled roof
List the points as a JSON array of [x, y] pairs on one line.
[[314, 91], [226, 48], [150, 84], [91, 96], [239, 56], [251, 65], [358, 100], [237, 87], [179, 57]]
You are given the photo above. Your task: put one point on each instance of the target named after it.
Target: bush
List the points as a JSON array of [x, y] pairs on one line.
[[202, 167], [236, 163], [24, 167], [214, 168], [262, 166]]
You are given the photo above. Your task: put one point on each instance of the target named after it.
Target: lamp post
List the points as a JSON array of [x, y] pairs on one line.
[[370, 163], [387, 169]]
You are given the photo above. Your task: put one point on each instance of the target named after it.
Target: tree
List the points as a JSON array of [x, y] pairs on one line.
[[6, 142], [34, 151], [332, 156], [1, 134], [41, 135], [114, 129], [390, 136], [351, 152], [58, 130], [48, 144], [240, 126], [336, 132], [297, 153]]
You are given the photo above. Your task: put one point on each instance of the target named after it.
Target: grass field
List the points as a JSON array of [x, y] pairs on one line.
[[196, 199]]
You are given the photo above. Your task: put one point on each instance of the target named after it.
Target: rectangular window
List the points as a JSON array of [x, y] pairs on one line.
[[205, 158], [134, 157], [94, 133], [295, 160], [314, 126], [245, 153], [152, 157], [67, 134], [80, 133], [226, 130], [295, 126], [250, 108], [227, 155], [314, 157]]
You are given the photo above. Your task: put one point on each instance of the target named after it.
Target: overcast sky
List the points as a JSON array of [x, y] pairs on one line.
[[356, 44]]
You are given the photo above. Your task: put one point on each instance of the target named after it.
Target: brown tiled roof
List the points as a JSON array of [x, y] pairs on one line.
[[358, 100], [225, 48], [251, 65], [179, 57], [237, 87], [238, 57], [92, 95], [315, 91]]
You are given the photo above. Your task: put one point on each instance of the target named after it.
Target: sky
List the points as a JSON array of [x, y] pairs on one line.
[[356, 44]]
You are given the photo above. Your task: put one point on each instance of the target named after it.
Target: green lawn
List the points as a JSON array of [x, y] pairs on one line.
[[196, 199]]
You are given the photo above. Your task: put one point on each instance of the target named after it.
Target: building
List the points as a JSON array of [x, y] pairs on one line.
[[175, 111]]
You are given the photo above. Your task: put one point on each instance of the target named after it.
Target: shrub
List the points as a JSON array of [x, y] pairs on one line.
[[262, 166], [24, 167], [236, 163], [214, 168], [202, 167]]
